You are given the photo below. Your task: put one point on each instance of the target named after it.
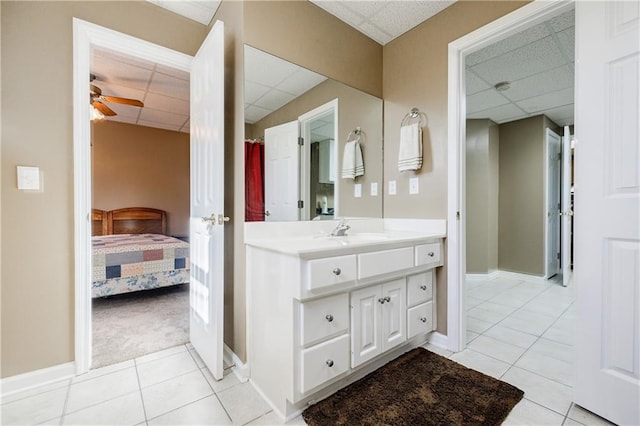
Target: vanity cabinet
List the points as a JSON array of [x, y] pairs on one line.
[[378, 320], [321, 319]]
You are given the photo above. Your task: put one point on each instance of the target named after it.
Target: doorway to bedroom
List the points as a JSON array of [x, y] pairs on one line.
[[140, 207]]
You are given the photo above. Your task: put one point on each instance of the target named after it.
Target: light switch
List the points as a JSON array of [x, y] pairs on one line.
[[29, 178], [392, 187], [357, 190], [414, 186], [374, 189]]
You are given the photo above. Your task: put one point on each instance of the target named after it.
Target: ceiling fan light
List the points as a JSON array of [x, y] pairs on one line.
[[95, 114]]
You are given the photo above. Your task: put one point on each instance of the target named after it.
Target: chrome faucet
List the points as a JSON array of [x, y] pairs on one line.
[[341, 229]]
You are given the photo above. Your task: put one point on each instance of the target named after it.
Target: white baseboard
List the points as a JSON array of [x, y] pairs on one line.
[[439, 339], [505, 275], [32, 379], [241, 370], [482, 277]]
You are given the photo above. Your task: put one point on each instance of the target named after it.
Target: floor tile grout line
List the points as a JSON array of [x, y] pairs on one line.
[[37, 393], [216, 393], [178, 408], [64, 406], [137, 359], [101, 402], [144, 408], [544, 406]]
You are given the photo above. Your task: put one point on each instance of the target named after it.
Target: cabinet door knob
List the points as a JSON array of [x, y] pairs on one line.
[[337, 271], [431, 254], [329, 317], [381, 300], [329, 363], [423, 287], [423, 319]]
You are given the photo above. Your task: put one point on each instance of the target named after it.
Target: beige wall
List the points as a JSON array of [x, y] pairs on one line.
[[482, 196], [305, 34], [355, 108], [521, 227], [138, 166], [37, 274], [415, 75]]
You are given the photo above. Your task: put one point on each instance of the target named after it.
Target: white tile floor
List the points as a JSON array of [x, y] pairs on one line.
[[520, 332]]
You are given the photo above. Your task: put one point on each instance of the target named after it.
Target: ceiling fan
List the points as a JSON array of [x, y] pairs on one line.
[[97, 99]]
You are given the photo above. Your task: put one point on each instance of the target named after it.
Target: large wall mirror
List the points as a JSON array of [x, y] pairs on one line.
[[297, 125]]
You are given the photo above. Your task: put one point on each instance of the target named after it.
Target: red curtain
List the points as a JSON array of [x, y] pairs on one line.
[[254, 181]]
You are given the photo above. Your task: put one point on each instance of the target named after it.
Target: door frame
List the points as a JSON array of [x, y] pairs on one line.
[[85, 36], [547, 178], [522, 18], [305, 155]]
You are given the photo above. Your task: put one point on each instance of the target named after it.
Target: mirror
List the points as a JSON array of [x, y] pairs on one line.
[[288, 181]]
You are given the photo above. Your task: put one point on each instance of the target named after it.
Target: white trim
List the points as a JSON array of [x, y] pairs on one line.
[[305, 155], [546, 208], [520, 276], [241, 370], [85, 36], [37, 378], [437, 339], [524, 17], [483, 277]]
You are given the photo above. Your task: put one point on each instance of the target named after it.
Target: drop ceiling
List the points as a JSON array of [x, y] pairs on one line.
[[538, 64]]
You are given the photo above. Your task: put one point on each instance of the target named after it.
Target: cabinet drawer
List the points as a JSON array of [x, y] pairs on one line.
[[383, 262], [323, 318], [419, 319], [323, 362], [419, 288], [428, 253], [330, 271]]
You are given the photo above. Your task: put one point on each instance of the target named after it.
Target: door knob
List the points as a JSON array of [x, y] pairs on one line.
[[222, 219], [211, 219]]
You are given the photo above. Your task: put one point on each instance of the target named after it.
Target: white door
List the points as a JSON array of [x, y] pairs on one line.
[[567, 208], [607, 214], [206, 230], [553, 205], [394, 313], [282, 172], [365, 323]]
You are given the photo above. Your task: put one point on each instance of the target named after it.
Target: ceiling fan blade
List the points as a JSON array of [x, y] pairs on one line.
[[125, 101], [103, 108]]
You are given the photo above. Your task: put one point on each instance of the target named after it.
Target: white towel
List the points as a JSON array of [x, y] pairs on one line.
[[410, 154], [352, 164]]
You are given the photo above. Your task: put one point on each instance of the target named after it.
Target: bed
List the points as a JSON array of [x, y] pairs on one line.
[[131, 252]]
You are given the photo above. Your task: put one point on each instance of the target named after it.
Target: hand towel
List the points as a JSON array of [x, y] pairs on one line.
[[410, 154], [352, 163]]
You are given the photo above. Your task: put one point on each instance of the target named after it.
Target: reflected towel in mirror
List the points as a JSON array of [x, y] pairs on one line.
[[352, 163], [410, 154]]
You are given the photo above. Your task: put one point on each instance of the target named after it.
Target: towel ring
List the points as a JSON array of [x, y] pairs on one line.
[[356, 132], [413, 114]]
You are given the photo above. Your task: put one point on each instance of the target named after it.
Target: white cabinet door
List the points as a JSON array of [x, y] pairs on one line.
[[365, 320], [394, 313]]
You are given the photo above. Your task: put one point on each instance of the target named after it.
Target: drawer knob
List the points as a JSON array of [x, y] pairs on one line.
[[423, 287], [337, 271], [423, 319], [384, 299], [431, 254], [329, 363], [329, 317], [381, 300]]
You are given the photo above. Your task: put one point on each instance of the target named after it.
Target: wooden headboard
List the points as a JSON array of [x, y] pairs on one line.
[[99, 222], [137, 220], [130, 220]]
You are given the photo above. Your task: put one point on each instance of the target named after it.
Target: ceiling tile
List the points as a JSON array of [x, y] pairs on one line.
[[110, 55], [124, 119], [364, 8], [396, 18], [567, 42], [170, 86], [254, 113], [484, 100], [254, 91], [341, 10], [124, 110], [182, 75], [159, 125], [110, 89], [549, 100], [474, 84], [111, 71], [562, 116], [539, 84], [513, 42], [300, 82], [266, 69], [167, 104], [375, 33], [563, 21], [274, 99], [517, 64], [500, 114], [201, 11], [148, 114]]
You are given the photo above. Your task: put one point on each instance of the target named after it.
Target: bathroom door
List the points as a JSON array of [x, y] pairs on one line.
[[282, 172], [567, 208], [552, 266], [206, 230], [607, 203]]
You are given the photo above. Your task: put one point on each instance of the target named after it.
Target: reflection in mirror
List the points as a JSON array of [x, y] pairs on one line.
[[285, 104]]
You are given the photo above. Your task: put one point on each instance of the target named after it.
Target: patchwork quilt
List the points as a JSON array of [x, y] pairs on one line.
[[131, 262]]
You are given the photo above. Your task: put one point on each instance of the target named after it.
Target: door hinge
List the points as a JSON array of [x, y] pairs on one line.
[[300, 204], [300, 140], [457, 215], [559, 156], [558, 256]]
